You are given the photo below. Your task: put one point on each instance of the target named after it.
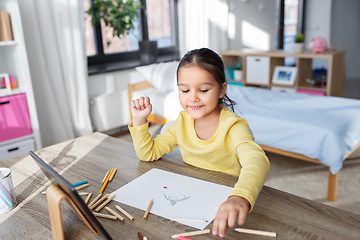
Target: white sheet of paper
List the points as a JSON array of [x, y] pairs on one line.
[[175, 196]]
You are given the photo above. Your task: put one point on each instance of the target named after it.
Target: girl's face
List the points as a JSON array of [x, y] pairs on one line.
[[199, 92]]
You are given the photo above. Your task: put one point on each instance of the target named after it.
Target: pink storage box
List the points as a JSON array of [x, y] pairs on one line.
[[311, 92], [14, 117]]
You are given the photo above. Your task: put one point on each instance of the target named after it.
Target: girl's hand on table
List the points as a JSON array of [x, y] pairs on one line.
[[234, 207]]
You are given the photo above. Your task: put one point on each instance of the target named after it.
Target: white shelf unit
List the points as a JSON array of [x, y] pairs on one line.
[[14, 61]]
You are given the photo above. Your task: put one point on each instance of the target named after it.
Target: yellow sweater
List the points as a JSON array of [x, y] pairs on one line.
[[231, 150]]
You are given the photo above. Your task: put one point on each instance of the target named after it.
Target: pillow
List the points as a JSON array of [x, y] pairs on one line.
[[161, 75]]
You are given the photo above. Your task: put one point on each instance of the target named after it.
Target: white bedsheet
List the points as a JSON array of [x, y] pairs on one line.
[[325, 128]]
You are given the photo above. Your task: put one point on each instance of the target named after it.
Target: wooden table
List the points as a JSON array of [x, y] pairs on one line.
[[89, 157]]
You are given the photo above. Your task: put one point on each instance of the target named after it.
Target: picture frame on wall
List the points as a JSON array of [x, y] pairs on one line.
[[7, 88], [284, 75]]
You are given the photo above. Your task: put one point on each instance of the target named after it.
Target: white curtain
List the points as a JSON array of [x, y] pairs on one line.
[[203, 23], [54, 36]]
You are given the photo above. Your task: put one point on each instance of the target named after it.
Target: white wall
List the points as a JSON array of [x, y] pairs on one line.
[[345, 34], [252, 24]]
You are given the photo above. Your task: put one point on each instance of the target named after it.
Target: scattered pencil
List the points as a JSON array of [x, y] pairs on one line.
[[183, 238], [140, 236], [124, 212], [112, 175], [88, 198], [82, 186], [188, 220], [106, 181], [104, 215], [105, 203], [115, 214], [43, 193], [79, 183], [99, 201], [107, 173], [93, 201], [256, 232], [83, 193], [148, 209], [188, 234], [145, 238]]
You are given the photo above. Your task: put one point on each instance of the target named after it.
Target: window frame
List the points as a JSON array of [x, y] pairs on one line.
[[101, 62], [281, 26]]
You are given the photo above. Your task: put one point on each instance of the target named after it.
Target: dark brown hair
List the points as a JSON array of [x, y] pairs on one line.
[[210, 61]]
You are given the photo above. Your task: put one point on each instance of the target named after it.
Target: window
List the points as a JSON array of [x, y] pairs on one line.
[[156, 21], [291, 22]]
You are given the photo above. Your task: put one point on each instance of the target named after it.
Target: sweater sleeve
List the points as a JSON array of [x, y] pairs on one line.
[[149, 149], [254, 163]]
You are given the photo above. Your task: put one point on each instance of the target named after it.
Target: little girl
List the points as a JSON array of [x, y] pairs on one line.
[[208, 134]]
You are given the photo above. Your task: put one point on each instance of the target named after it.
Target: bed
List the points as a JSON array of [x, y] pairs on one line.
[[323, 130]]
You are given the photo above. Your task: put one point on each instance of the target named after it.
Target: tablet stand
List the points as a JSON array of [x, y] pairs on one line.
[[54, 197]]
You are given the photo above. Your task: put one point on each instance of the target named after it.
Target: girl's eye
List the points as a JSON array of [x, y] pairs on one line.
[[185, 91], [204, 90]]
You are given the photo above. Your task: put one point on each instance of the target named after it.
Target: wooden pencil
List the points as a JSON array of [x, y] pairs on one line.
[[106, 181], [148, 209], [256, 232], [112, 175], [194, 233], [188, 220], [104, 215], [99, 201], [82, 186], [104, 203], [83, 193], [124, 212], [115, 214], [107, 173], [88, 198], [93, 201]]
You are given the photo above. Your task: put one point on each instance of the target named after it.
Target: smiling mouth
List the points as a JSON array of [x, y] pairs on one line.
[[195, 107]]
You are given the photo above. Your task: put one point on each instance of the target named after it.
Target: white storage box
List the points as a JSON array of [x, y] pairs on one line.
[[16, 148], [283, 89], [257, 69]]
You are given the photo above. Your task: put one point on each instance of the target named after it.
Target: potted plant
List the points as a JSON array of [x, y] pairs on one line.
[[299, 43], [120, 15], [238, 72]]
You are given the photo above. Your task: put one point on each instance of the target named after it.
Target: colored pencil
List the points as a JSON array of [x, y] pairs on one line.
[[140, 236], [183, 238], [107, 173], [83, 193], [104, 215], [99, 201], [79, 183], [188, 220], [256, 232], [188, 234], [112, 175], [104, 203], [124, 212], [115, 214], [82, 186], [106, 181], [93, 201], [88, 198], [148, 209]]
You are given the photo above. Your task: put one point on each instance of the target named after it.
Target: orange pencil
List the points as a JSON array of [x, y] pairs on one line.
[[106, 181]]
